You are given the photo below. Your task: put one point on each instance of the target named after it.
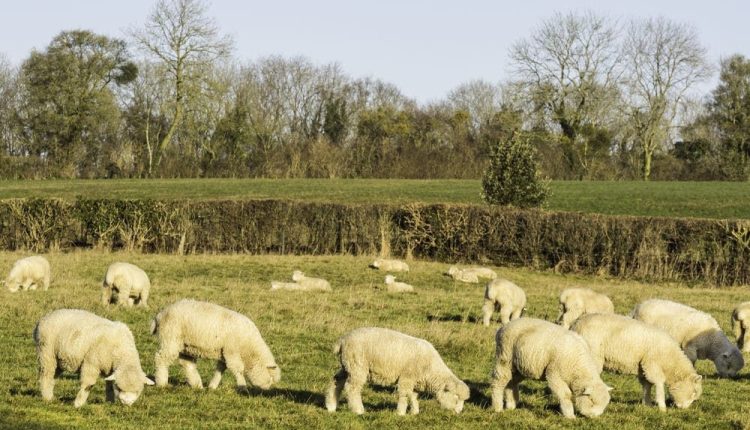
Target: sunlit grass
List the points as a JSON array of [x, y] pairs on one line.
[[301, 329]]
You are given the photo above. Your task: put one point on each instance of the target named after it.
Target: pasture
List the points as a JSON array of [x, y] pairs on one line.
[[669, 199], [300, 329]]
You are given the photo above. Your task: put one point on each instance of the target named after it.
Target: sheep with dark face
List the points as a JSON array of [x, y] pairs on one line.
[[698, 333], [190, 329], [73, 340], [388, 357]]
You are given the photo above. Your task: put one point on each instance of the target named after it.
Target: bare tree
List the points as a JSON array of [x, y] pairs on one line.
[[180, 35], [480, 99], [664, 61], [8, 104], [569, 68]]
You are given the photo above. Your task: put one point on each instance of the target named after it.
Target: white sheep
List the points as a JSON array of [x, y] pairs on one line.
[[310, 284], [462, 275], [73, 340], [741, 326], [388, 357], [190, 329], [505, 295], [28, 274], [575, 302], [390, 265], [469, 274], [537, 349], [397, 287], [125, 284], [698, 333], [622, 344]]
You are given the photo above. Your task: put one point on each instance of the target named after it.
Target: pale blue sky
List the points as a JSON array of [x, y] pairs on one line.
[[424, 47]]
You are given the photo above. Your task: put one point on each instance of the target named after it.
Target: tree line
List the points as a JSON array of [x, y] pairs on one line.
[[595, 97]]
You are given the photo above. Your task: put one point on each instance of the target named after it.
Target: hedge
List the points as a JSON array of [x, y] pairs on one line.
[[710, 251]]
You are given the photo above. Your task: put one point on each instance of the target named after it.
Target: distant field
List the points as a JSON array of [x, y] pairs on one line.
[[671, 199], [300, 330]]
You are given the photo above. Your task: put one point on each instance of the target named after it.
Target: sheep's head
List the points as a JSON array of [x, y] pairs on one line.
[[12, 284], [686, 391], [389, 279], [297, 276], [452, 270], [729, 363], [453, 395], [128, 383], [375, 264], [594, 398], [264, 375]]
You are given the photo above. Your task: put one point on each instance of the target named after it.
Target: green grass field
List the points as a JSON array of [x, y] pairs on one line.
[[671, 199], [300, 329]]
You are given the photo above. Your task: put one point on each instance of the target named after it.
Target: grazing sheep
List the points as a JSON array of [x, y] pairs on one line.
[[388, 357], [28, 274], [73, 340], [505, 295], [125, 284], [741, 326], [622, 344], [698, 333], [537, 349], [575, 302], [310, 284], [390, 265], [468, 274], [189, 329], [397, 287]]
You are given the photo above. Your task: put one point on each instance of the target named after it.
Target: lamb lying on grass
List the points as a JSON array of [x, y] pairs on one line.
[[575, 302], [470, 274], [390, 265], [28, 274], [310, 284], [624, 345], [73, 340], [698, 333], [189, 329], [397, 287], [506, 296], [125, 284], [532, 348], [741, 326], [388, 357]]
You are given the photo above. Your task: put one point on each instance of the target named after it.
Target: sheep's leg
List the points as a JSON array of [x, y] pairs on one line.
[[414, 399], [47, 371], [237, 367], [143, 300], [89, 374], [745, 338], [505, 311], [123, 296], [353, 388], [487, 309], [191, 371], [164, 357], [656, 377], [45, 283], [569, 318], [501, 376], [405, 390], [516, 314], [335, 389], [106, 294], [561, 390], [216, 380], [646, 385], [512, 397], [110, 391], [692, 354]]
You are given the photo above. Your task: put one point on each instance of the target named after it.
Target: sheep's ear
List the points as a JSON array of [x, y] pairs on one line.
[[110, 377], [697, 378], [147, 381]]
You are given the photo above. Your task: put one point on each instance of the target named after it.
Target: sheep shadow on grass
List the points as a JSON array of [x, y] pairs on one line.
[[302, 397], [454, 318], [480, 393]]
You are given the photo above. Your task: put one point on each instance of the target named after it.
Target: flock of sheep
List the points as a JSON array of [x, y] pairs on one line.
[[659, 343]]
